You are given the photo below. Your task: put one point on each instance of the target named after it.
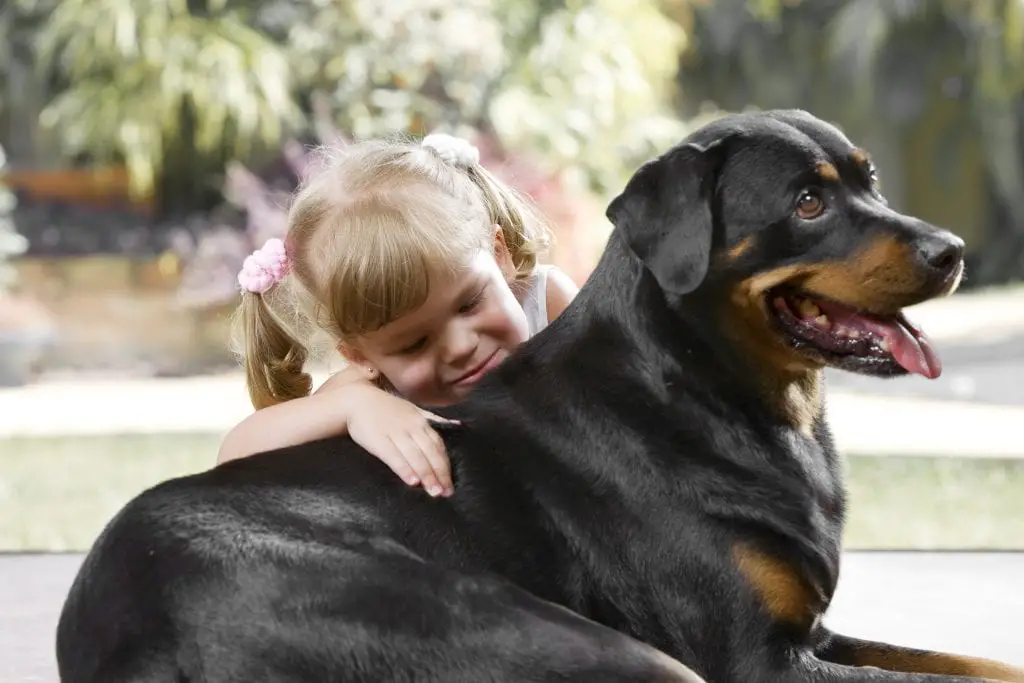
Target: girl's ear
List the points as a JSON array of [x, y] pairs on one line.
[[356, 358], [502, 255]]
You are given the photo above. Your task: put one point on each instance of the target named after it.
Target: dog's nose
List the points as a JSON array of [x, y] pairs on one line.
[[942, 253]]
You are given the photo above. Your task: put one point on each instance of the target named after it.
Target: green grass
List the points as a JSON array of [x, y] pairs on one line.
[[57, 493], [935, 503]]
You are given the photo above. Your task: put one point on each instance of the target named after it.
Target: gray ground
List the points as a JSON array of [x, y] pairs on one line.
[[972, 603], [988, 373]]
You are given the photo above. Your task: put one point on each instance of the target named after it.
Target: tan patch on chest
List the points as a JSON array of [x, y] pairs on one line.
[[784, 593], [802, 403]]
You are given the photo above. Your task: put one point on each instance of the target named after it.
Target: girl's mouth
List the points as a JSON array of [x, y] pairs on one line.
[[474, 375]]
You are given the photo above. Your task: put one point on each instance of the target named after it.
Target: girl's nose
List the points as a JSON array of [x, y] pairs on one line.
[[460, 343]]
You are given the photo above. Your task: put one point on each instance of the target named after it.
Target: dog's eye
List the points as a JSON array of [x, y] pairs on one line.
[[809, 205]]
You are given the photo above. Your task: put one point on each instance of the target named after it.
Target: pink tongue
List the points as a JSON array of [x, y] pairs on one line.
[[908, 345]]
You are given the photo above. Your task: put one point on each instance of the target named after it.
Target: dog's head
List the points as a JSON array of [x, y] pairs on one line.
[[779, 218]]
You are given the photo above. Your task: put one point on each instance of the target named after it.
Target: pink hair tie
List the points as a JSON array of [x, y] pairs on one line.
[[264, 268]]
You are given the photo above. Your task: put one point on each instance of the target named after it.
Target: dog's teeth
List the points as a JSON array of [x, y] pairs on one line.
[[884, 344], [823, 322], [853, 334], [808, 309]]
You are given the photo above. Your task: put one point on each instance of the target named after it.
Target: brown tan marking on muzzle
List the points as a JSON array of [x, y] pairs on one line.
[[881, 278]]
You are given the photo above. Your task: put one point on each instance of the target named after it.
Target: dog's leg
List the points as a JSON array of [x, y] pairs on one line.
[[841, 649], [828, 672]]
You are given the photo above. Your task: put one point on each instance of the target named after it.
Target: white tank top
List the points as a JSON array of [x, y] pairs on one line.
[[535, 302]]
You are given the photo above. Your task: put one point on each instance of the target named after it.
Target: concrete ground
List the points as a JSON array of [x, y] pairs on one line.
[[967, 603]]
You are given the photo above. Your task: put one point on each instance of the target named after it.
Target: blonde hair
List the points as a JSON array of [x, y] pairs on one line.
[[364, 236]]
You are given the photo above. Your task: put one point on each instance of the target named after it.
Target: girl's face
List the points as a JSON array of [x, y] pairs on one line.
[[470, 322]]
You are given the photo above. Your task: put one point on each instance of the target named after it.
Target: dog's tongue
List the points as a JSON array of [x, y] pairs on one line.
[[907, 343]]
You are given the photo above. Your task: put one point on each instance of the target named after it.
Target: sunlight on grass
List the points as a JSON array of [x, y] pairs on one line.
[[57, 493], [935, 503]]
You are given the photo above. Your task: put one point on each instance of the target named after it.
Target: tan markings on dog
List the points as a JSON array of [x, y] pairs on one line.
[[881, 277], [860, 157], [755, 287], [740, 248], [828, 172], [788, 381], [802, 403], [785, 594], [747, 323], [917, 661]]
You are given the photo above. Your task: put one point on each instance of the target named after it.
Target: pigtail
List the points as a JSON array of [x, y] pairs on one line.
[[274, 360], [526, 232]]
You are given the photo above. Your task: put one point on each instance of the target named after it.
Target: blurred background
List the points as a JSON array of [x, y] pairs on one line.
[[147, 146]]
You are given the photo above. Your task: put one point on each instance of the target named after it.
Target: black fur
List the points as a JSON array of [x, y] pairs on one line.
[[604, 476]]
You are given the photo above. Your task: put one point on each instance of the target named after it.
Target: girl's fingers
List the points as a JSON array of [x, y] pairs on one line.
[[432, 448], [437, 418], [391, 455], [413, 454]]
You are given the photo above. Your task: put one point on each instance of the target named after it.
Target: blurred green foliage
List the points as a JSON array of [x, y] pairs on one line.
[[587, 89], [933, 87], [11, 243], [172, 85]]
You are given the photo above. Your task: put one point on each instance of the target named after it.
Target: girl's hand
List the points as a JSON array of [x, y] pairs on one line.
[[400, 435]]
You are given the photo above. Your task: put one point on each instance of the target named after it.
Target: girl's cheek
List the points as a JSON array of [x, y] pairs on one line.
[[419, 377]]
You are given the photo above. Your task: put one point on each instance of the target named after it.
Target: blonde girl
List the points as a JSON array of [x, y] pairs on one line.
[[421, 269]]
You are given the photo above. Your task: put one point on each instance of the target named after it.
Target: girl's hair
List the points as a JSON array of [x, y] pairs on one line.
[[365, 234]]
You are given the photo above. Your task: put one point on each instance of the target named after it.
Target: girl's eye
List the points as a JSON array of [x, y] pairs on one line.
[[470, 305], [810, 205], [414, 347]]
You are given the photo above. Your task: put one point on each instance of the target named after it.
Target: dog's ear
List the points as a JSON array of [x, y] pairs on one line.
[[664, 214]]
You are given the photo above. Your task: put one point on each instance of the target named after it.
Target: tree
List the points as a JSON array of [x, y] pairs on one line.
[[874, 64], [164, 85], [546, 76]]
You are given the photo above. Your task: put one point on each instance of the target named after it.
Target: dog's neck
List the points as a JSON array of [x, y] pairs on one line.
[[682, 339]]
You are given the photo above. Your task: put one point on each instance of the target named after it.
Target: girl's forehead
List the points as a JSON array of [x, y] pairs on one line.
[[447, 289]]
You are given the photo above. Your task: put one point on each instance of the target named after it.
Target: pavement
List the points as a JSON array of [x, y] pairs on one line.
[[973, 410], [968, 603]]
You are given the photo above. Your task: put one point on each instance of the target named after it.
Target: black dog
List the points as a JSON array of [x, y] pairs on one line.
[[650, 481]]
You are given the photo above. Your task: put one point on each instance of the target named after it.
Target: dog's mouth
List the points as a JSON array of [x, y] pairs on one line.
[[853, 340]]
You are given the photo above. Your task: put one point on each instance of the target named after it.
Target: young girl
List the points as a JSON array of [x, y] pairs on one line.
[[420, 267]]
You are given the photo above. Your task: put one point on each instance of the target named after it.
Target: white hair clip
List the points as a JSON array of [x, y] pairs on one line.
[[453, 150]]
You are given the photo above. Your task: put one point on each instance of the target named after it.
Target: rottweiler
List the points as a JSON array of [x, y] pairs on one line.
[[646, 491]]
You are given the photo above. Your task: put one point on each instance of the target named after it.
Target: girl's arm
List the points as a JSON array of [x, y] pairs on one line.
[[392, 429], [292, 422]]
